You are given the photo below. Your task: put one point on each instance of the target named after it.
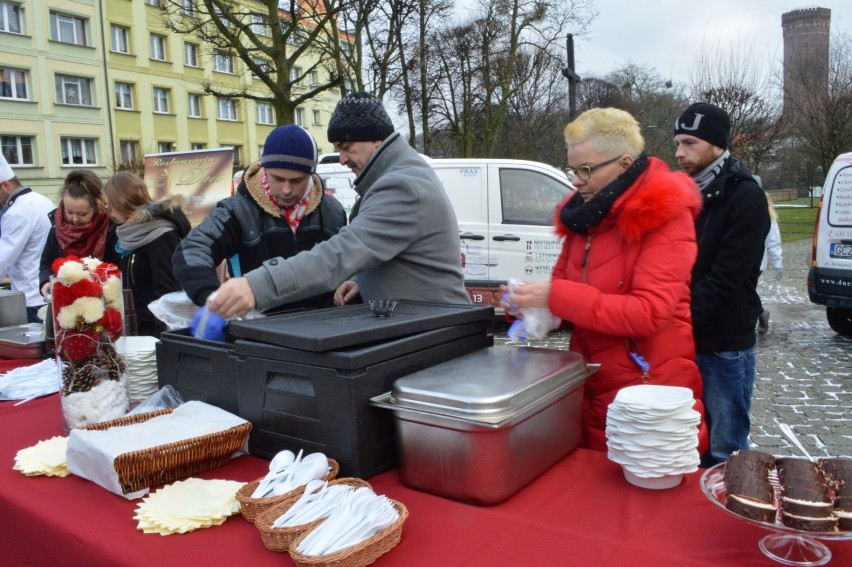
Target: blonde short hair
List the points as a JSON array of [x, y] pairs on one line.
[[610, 130]]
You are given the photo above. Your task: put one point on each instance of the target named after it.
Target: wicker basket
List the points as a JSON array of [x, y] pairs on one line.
[[251, 507], [279, 539], [363, 553], [167, 463]]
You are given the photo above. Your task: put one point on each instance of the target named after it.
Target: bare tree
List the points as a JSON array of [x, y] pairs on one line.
[[477, 65], [737, 81], [281, 42]]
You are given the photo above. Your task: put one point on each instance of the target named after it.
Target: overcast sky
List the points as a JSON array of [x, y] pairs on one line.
[[665, 34]]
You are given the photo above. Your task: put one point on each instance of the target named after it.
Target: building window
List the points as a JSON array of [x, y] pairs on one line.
[[258, 24], [129, 150], [190, 51], [197, 146], [153, 3], [161, 100], [73, 90], [13, 84], [227, 109], [11, 18], [124, 96], [119, 39], [221, 15], [296, 76], [67, 29], [187, 8], [299, 116], [165, 147], [316, 118], [264, 113], [78, 151], [238, 155], [18, 150], [313, 77], [263, 64], [158, 47], [223, 62], [194, 105]]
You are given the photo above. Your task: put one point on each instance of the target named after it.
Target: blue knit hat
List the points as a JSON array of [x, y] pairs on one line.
[[290, 147]]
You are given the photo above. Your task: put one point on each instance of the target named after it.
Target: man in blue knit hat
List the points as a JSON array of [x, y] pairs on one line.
[[279, 210], [402, 239]]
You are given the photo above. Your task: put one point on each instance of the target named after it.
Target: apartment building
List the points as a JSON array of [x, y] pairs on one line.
[[95, 83]]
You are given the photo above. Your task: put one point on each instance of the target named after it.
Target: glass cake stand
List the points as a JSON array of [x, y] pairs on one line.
[[785, 544]]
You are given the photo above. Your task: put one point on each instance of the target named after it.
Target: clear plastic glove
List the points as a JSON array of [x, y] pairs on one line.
[[532, 322], [779, 273]]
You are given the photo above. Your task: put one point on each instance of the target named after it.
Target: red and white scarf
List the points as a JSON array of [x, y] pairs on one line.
[[293, 215]]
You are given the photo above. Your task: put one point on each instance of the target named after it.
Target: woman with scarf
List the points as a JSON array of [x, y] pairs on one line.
[[148, 233], [622, 277], [81, 225]]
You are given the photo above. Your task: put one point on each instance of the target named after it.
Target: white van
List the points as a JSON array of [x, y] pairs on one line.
[[505, 213], [830, 276]]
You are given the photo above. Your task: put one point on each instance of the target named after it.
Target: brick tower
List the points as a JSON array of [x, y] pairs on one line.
[[806, 35]]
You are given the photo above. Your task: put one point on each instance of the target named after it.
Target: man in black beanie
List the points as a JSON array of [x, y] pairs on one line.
[[731, 231], [402, 240]]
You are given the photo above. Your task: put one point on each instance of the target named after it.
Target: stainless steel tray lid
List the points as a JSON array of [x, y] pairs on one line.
[[491, 384]]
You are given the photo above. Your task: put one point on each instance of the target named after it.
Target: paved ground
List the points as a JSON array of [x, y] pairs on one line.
[[804, 369]]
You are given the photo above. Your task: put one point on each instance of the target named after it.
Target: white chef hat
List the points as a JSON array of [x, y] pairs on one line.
[[6, 172]]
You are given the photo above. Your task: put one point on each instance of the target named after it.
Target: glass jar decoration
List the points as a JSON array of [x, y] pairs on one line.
[[88, 312]]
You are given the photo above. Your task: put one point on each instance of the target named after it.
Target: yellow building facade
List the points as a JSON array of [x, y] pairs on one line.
[[95, 83]]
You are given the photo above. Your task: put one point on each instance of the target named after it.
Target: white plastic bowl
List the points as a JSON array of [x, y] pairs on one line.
[[653, 482], [655, 396]]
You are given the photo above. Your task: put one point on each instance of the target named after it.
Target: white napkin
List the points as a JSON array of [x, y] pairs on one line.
[[187, 505], [91, 453], [28, 382], [44, 458]]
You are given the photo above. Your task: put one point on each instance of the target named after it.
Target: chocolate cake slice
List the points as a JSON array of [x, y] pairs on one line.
[[805, 498], [750, 494], [838, 472]]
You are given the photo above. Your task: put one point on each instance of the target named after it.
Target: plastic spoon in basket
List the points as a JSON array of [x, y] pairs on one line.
[[377, 514], [788, 431], [278, 463]]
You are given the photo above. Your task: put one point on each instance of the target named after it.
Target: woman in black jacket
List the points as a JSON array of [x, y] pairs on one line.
[[148, 233], [81, 225]]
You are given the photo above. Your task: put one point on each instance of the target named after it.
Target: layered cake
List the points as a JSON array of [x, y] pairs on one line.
[[838, 473], [750, 493], [805, 499]]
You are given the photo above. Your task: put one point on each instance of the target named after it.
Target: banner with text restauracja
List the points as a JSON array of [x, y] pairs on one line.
[[203, 177]]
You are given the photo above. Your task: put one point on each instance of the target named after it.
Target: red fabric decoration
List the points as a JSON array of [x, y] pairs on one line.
[[111, 320], [60, 261], [78, 345], [62, 296], [105, 270], [86, 288]]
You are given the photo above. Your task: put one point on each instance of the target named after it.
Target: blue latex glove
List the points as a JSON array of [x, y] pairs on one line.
[[207, 325]]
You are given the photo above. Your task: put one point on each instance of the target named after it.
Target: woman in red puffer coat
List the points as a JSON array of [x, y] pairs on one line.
[[622, 278]]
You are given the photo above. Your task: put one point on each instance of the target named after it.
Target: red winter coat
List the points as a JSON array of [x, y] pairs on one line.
[[634, 287]]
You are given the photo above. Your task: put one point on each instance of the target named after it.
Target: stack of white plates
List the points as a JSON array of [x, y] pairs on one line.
[[141, 356], [652, 432]]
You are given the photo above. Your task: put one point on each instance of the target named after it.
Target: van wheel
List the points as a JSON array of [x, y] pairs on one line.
[[840, 320]]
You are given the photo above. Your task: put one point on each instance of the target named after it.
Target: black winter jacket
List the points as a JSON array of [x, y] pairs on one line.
[[731, 232], [147, 271], [248, 229]]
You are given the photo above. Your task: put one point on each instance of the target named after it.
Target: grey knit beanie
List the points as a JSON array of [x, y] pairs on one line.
[[359, 117]]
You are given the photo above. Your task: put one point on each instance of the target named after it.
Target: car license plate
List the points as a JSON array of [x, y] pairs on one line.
[[840, 250]]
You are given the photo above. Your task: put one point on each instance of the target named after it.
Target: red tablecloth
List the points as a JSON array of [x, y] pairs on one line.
[[580, 512]]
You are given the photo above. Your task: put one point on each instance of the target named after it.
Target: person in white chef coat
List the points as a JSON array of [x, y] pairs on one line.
[[23, 231]]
